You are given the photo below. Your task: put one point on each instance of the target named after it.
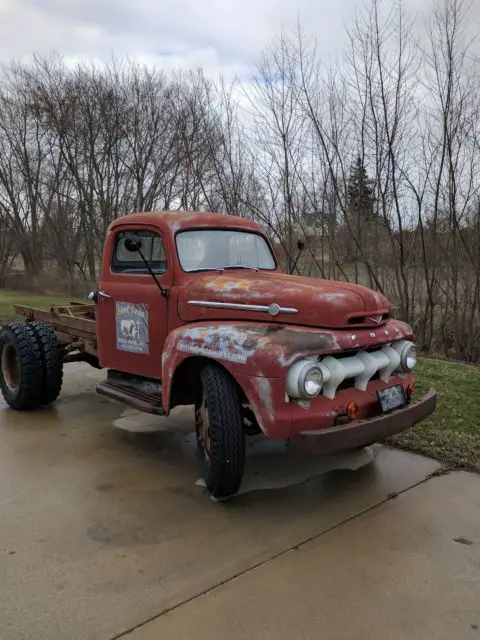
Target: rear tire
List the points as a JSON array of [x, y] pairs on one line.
[[21, 376], [51, 354], [220, 434]]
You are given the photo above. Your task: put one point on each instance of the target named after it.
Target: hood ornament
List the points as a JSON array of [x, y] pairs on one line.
[[375, 319]]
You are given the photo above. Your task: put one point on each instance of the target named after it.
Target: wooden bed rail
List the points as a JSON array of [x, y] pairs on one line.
[[74, 325]]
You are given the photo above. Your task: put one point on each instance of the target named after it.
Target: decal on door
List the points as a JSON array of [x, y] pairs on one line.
[[131, 321]]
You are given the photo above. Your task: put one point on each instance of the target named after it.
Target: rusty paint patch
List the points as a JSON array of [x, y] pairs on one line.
[[199, 350], [321, 304], [167, 352], [223, 342], [321, 296], [264, 389], [269, 344], [296, 340], [226, 284]]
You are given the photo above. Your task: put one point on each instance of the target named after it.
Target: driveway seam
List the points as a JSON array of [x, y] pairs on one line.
[[279, 554]]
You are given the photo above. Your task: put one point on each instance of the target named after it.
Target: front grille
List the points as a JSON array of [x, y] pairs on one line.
[[355, 369], [349, 383]]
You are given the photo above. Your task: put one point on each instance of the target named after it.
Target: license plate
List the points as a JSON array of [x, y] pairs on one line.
[[392, 398]]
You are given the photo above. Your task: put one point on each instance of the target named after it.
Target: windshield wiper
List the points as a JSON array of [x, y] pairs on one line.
[[205, 269], [241, 266], [228, 266]]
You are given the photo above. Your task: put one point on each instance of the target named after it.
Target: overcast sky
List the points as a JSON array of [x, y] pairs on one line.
[[213, 34]]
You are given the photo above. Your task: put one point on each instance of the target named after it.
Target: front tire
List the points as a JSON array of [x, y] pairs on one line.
[[220, 434], [21, 376]]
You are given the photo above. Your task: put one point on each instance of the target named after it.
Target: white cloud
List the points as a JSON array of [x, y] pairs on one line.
[[213, 34], [210, 33]]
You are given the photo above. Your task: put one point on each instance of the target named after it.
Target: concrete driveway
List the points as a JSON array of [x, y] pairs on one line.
[[105, 533]]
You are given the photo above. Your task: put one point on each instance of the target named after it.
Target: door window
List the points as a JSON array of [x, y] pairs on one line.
[[151, 246]]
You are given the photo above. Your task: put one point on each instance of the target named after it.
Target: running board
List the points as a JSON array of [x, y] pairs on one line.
[[133, 396]]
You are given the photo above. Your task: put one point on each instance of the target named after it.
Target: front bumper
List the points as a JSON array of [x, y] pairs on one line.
[[361, 433]]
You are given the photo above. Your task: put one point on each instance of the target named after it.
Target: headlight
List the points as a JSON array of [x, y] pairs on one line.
[[408, 354], [304, 380], [408, 358]]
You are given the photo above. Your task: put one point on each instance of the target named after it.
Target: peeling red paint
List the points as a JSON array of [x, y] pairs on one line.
[[265, 393], [319, 303]]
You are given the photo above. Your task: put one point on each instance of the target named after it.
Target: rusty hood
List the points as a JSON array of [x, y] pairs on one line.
[[278, 297]]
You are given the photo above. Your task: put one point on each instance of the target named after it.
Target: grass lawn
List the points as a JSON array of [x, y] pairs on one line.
[[9, 298], [452, 433]]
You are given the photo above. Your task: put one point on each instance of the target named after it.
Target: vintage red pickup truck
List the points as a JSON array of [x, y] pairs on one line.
[[193, 309]]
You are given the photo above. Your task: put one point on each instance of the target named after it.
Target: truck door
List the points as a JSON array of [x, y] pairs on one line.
[[131, 312]]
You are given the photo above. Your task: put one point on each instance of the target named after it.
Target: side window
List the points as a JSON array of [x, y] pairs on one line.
[[151, 246]]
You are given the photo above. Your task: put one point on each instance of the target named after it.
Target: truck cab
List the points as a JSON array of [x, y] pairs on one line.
[[181, 250]]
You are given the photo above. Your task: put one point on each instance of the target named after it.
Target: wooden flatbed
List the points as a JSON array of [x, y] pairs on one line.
[[74, 325]]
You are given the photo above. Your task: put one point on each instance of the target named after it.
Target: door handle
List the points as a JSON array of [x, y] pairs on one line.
[[103, 294]]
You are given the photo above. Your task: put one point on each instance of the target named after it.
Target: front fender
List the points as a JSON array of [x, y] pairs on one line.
[[244, 349], [261, 350], [184, 343]]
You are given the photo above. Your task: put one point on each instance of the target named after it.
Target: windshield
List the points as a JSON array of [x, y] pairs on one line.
[[211, 249]]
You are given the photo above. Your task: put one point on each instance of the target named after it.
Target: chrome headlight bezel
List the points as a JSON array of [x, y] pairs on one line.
[[408, 357], [297, 379]]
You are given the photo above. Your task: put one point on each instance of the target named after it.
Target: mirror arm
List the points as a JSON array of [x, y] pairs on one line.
[[163, 292]]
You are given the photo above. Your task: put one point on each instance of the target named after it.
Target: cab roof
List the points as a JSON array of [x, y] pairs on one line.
[[180, 220]]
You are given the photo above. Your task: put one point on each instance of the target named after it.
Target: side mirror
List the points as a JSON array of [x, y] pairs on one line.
[[132, 245], [300, 247]]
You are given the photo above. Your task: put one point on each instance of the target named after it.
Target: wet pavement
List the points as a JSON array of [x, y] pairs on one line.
[[106, 532], [409, 569]]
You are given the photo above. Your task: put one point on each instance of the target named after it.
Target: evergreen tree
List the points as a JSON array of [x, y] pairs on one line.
[[361, 196]]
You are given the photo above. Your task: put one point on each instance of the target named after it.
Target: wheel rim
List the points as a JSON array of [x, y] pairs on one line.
[[203, 426], [10, 367]]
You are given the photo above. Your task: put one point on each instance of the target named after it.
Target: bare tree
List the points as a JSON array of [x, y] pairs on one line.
[[81, 146]]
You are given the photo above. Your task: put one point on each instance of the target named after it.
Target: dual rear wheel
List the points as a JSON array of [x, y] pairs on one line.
[[31, 365]]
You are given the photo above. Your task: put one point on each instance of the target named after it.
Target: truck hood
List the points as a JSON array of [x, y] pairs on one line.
[[278, 297]]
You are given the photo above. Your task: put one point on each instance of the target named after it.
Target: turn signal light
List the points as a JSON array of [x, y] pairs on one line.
[[410, 391], [352, 410]]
